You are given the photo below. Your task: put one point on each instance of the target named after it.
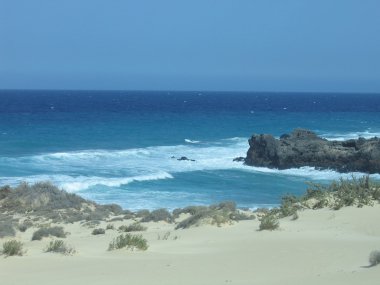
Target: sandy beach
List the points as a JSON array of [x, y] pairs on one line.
[[320, 247]]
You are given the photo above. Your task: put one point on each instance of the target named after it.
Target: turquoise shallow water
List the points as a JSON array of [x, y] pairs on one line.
[[118, 146]]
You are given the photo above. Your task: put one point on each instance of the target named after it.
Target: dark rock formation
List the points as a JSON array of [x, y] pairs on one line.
[[305, 148], [185, 158], [239, 159]]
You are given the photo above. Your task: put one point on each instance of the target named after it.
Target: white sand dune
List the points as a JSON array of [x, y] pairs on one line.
[[321, 247]]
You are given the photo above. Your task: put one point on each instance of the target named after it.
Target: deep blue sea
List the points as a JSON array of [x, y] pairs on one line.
[[118, 146]]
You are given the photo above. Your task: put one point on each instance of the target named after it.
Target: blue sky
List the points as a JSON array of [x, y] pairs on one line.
[[268, 45]]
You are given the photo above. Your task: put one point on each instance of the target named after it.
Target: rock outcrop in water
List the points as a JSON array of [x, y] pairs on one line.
[[304, 148]]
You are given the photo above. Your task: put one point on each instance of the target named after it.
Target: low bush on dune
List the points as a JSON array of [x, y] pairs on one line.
[[374, 257], [192, 210], [345, 192], [135, 227], [99, 231], [158, 215], [49, 231], [110, 227], [269, 222], [129, 241], [45, 200], [59, 246], [12, 247], [217, 214]]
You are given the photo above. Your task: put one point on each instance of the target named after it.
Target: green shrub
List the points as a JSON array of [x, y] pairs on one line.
[[164, 237], [158, 215], [192, 210], [99, 231], [226, 205], [129, 241], [142, 213], [135, 227], [45, 232], [12, 247], [374, 257], [239, 216], [289, 206], [59, 246], [269, 222], [22, 227], [193, 220], [110, 227]]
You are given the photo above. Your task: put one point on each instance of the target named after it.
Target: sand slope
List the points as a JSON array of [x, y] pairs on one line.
[[321, 247]]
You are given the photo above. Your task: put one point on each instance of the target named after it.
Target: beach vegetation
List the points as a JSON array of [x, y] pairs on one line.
[[192, 210], [142, 213], [355, 191], [128, 215], [135, 227], [129, 241], [91, 224], [4, 191], [12, 247], [217, 214], [110, 227], [22, 227], [158, 215], [49, 231], [374, 258], [45, 200], [225, 205], [99, 231], [114, 208], [165, 236], [289, 206], [59, 246], [269, 222]]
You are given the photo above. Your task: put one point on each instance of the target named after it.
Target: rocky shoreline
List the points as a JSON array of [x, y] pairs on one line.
[[304, 148]]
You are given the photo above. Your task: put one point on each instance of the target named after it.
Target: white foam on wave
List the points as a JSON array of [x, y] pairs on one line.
[[75, 184], [80, 170], [351, 135], [191, 141]]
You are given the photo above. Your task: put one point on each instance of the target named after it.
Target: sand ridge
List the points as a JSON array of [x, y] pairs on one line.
[[321, 246]]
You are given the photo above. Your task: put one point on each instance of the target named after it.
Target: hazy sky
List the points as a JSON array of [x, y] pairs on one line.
[[267, 45]]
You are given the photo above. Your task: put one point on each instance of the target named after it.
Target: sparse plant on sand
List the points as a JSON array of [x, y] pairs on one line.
[[110, 227], [49, 231], [59, 246], [12, 247], [374, 257], [269, 222], [158, 215], [129, 241], [135, 227], [164, 237], [99, 231]]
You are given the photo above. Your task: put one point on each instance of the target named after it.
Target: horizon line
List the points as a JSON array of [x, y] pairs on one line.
[[190, 91]]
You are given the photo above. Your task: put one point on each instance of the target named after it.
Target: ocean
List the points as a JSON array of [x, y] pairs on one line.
[[122, 146]]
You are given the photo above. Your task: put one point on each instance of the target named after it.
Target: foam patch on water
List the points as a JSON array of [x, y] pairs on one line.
[[351, 135], [80, 170], [75, 184]]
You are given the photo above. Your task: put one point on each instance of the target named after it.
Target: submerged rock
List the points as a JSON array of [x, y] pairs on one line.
[[304, 148], [185, 158]]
